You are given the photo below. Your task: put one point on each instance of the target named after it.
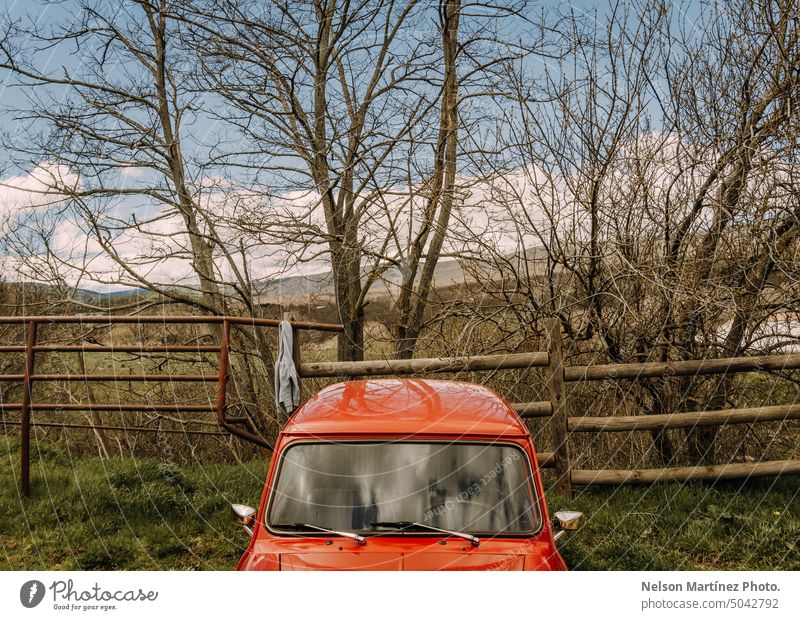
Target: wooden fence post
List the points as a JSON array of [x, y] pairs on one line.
[[25, 422], [296, 358], [560, 414]]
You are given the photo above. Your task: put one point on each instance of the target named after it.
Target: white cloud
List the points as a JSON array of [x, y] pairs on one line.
[[37, 189], [271, 237]]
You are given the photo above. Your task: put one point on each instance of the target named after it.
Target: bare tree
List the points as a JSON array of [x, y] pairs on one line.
[[325, 96], [129, 192], [411, 301], [645, 191], [743, 222]]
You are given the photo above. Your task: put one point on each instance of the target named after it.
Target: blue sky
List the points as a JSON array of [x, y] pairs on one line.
[[52, 13]]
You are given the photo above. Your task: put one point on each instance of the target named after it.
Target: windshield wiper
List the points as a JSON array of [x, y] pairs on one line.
[[406, 525], [307, 526]]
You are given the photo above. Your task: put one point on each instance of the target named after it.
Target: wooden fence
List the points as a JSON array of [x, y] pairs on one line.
[[565, 425], [556, 408]]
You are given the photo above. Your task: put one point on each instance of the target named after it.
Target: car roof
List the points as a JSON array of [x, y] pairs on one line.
[[406, 407]]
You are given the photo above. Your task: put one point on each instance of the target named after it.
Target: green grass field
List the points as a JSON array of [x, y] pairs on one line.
[[137, 514], [729, 525], [85, 513]]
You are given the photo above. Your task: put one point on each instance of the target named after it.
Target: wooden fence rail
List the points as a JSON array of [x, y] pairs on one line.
[[423, 365], [645, 370], [564, 425], [778, 413], [556, 408], [684, 474], [537, 409]]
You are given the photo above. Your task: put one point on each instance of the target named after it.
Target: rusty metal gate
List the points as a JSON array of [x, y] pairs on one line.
[[240, 426]]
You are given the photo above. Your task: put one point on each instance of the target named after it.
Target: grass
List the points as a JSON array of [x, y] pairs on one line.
[[136, 514], [140, 514], [730, 525]]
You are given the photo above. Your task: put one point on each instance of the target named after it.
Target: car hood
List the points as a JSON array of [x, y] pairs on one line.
[[378, 560], [401, 554]]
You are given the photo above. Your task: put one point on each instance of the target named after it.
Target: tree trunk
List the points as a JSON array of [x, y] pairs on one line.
[[411, 306]]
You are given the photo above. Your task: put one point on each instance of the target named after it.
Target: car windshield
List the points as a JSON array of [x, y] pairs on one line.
[[466, 487]]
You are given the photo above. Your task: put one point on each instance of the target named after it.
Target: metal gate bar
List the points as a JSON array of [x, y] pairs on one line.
[[240, 426]]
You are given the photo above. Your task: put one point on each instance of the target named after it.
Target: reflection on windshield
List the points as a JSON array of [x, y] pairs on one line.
[[458, 486]]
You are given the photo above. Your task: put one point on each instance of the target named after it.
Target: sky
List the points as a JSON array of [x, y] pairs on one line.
[[21, 187]]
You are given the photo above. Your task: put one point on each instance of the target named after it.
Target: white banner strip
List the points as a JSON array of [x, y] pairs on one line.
[[150, 595]]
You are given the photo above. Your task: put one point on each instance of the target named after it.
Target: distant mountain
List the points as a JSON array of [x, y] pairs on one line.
[[290, 286], [448, 273], [83, 293]]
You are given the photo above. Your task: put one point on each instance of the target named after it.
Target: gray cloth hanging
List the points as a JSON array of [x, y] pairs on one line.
[[287, 382]]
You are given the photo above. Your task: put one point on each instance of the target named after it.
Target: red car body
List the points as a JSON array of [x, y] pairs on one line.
[[399, 411]]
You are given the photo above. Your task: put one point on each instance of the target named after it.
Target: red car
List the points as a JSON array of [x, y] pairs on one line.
[[403, 475]]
